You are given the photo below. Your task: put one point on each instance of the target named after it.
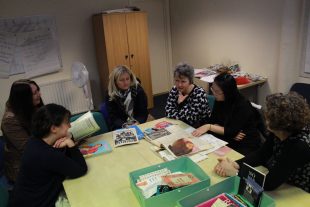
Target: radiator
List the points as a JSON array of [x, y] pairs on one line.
[[65, 93]]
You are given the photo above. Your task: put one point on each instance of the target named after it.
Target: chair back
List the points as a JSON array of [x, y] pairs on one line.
[[302, 89], [211, 100], [98, 118], [4, 197]]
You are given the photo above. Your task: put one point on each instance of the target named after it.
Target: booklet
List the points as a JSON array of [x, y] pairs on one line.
[[177, 141], [140, 134], [251, 184], [96, 148], [84, 126], [125, 136]]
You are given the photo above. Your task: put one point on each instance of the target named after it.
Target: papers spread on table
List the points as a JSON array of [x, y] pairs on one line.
[[84, 126], [125, 136], [179, 142]]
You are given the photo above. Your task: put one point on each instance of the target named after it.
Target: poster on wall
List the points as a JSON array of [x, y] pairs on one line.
[[28, 45]]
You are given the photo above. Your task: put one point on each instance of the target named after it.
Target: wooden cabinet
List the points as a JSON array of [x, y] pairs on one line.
[[122, 39]]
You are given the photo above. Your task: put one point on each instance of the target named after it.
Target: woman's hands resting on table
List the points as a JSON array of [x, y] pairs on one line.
[[226, 167]]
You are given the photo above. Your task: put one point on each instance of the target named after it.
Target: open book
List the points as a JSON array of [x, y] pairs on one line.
[[177, 141], [84, 126]]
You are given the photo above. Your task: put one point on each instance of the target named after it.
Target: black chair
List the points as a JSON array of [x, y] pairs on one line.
[[302, 89]]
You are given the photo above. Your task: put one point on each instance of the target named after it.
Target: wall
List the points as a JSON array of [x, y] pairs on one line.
[[261, 36], [75, 33]]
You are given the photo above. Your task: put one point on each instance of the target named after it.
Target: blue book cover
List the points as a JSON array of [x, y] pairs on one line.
[[140, 134], [95, 148]]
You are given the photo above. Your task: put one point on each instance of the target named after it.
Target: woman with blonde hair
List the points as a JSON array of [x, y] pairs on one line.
[[126, 99], [286, 153]]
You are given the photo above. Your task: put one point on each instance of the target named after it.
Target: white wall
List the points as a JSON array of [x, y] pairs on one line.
[[262, 36], [75, 33]]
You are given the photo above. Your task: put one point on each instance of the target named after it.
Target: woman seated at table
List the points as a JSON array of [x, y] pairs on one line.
[[233, 118], [286, 153], [186, 101], [126, 99], [50, 157], [24, 100]]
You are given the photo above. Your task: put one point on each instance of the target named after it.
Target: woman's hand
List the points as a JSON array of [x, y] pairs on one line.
[[240, 136], [201, 130], [181, 98], [64, 142], [226, 167]]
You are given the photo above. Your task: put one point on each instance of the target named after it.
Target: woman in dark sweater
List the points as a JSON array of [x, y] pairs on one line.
[[233, 118], [286, 153], [49, 157], [126, 99]]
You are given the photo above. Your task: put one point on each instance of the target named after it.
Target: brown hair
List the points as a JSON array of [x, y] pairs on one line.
[[288, 112]]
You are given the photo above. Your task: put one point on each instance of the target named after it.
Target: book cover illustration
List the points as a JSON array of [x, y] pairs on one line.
[[96, 148], [155, 133], [163, 124], [125, 136], [178, 142], [251, 184], [221, 200], [140, 134]]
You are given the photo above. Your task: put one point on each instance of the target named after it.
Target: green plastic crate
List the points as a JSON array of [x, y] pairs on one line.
[[229, 185], [183, 164]]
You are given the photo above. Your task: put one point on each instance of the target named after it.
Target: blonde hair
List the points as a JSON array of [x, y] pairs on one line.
[[114, 76]]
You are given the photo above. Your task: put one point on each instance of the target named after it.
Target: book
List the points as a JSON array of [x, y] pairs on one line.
[[251, 184], [221, 200], [84, 126], [95, 148], [125, 136], [179, 179], [177, 141], [140, 134]]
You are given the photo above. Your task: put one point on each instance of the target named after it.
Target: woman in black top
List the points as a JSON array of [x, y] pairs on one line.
[[49, 157], [286, 153], [126, 99], [233, 118]]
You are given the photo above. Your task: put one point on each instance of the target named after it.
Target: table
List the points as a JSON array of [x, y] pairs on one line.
[[107, 180], [249, 90]]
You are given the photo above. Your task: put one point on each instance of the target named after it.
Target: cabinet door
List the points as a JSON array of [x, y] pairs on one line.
[[115, 33], [139, 51]]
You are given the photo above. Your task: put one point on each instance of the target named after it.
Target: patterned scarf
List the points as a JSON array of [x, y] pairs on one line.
[[127, 100]]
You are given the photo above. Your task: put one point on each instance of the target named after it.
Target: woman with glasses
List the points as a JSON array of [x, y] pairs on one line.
[[24, 100], [233, 118], [186, 101], [286, 153]]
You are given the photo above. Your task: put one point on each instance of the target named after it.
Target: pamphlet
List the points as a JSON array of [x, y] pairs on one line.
[[84, 126], [96, 148], [125, 136]]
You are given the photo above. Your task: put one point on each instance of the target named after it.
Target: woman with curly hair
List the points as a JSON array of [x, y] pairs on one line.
[[286, 153]]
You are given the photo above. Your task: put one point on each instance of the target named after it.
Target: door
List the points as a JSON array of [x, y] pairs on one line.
[[139, 51], [115, 33]]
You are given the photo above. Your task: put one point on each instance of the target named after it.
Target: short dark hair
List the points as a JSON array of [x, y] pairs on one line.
[[45, 117], [20, 101], [228, 85], [186, 70], [288, 112]]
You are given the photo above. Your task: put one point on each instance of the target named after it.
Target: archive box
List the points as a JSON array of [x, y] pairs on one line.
[[183, 164]]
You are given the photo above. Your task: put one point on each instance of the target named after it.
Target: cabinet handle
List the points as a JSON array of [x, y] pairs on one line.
[[126, 57], [131, 55]]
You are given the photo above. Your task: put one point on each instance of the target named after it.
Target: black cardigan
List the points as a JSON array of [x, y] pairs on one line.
[[43, 169], [235, 117], [117, 112], [287, 161]]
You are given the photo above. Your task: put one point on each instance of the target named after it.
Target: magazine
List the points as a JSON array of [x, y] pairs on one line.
[[96, 148], [84, 126], [125, 136], [177, 141], [140, 134]]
